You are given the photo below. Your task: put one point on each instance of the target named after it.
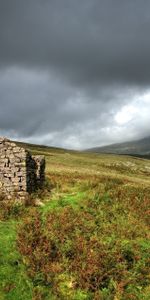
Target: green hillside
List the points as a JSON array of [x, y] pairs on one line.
[[90, 236], [140, 147]]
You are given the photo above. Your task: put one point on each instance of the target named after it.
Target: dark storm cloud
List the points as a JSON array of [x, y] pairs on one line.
[[40, 102], [87, 41], [67, 67]]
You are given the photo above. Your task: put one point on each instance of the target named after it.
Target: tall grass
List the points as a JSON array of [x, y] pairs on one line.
[[91, 238]]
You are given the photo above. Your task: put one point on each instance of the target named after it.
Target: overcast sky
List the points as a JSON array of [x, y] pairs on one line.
[[75, 73]]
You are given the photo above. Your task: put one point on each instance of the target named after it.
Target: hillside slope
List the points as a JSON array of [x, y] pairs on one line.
[[90, 237], [139, 147]]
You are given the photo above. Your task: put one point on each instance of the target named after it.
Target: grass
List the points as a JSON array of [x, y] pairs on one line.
[[14, 283], [90, 240], [62, 200]]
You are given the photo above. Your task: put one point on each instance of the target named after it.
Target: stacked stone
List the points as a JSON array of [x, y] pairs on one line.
[[12, 168], [40, 170], [20, 173], [31, 173]]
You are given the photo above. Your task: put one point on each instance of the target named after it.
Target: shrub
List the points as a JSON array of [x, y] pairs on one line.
[[2, 196], [10, 209], [69, 249]]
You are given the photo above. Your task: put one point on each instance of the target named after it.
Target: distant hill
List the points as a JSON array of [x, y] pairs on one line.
[[140, 147], [42, 149]]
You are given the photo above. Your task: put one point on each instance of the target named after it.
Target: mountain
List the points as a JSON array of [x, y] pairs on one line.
[[139, 147]]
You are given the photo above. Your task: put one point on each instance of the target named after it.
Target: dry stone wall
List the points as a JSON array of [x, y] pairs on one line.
[[20, 173], [40, 169]]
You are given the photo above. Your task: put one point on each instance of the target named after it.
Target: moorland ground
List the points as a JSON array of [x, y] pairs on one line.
[[89, 240]]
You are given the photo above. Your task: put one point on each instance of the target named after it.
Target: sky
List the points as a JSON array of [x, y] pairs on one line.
[[74, 74]]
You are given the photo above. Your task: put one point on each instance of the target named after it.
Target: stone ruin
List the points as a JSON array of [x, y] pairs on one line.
[[20, 172]]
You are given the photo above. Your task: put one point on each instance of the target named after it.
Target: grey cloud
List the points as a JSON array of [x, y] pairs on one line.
[[28, 97], [86, 41], [67, 67], [39, 107]]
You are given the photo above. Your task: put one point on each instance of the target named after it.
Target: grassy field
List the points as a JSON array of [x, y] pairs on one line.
[[89, 240]]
